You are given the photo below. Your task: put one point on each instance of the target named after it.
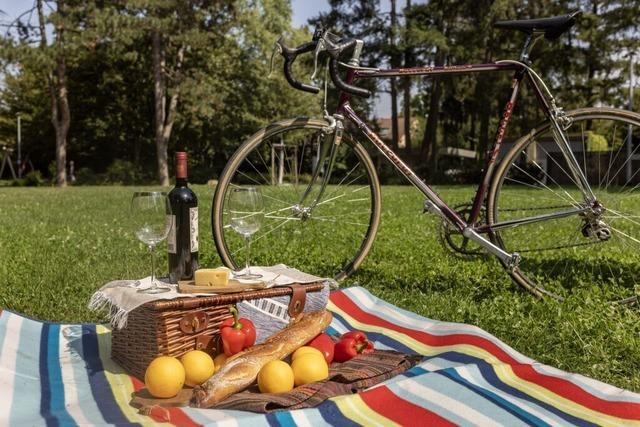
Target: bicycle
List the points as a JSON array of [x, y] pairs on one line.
[[538, 210]]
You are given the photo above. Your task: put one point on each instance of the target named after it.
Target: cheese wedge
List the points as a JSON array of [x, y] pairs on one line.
[[212, 276]]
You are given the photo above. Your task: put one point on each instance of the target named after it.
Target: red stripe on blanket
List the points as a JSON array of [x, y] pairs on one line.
[[386, 403], [176, 416], [559, 386]]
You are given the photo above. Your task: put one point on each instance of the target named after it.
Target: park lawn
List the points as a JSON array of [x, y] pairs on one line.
[[58, 246]]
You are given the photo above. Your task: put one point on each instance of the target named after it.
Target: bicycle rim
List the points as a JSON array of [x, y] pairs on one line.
[[330, 238], [572, 254]]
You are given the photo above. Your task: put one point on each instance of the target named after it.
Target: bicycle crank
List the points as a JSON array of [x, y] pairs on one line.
[[452, 239]]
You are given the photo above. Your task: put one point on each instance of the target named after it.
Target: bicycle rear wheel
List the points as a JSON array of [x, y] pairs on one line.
[[331, 237], [592, 251]]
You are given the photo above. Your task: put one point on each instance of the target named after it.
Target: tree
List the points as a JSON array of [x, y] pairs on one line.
[[57, 82], [394, 61], [29, 49], [177, 29], [408, 63]]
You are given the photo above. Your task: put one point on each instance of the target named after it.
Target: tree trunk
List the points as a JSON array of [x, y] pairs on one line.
[[60, 112], [159, 105], [428, 152], [408, 62], [393, 82], [164, 117], [431, 130], [483, 143]]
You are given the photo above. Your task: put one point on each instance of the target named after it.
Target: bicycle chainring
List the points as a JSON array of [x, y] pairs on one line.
[[454, 242]]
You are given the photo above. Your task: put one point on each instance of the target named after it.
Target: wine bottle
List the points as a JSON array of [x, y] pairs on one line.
[[182, 242]]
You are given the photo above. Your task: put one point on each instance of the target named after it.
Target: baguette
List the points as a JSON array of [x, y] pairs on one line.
[[242, 369]]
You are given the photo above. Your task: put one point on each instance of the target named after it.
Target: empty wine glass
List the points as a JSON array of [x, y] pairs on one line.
[[246, 210], [150, 211]]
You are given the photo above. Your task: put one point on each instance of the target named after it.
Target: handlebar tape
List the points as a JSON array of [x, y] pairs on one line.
[[290, 55], [340, 84]]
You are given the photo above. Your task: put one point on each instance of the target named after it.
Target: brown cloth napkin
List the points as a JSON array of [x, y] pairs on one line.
[[357, 374]]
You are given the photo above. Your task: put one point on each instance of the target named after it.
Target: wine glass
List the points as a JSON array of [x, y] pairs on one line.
[[150, 212], [246, 210]]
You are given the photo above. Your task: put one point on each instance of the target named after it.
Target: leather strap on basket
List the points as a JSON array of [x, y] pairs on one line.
[[194, 322], [298, 299], [207, 343]]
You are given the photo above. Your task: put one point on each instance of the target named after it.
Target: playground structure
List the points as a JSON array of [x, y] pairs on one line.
[[7, 162]]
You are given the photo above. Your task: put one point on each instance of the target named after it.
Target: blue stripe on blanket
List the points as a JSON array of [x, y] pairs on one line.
[[488, 373], [494, 398], [332, 415], [52, 407], [100, 388]]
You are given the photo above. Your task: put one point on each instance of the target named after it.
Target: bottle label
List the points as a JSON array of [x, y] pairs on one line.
[[171, 238], [193, 217]]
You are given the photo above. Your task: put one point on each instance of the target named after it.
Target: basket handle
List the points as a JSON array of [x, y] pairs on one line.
[[298, 299]]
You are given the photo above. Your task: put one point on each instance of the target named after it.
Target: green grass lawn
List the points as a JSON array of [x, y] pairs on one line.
[[58, 246]]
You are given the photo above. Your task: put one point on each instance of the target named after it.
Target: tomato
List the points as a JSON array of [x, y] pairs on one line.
[[325, 344]]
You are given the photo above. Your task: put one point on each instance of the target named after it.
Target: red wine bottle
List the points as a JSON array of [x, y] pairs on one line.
[[182, 242]]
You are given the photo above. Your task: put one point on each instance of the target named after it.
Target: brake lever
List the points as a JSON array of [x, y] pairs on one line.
[[277, 50], [320, 47]]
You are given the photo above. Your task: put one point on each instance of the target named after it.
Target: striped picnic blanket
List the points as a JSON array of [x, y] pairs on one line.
[[62, 375]]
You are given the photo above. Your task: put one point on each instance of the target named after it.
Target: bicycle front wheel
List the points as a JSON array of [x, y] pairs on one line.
[[323, 229], [576, 247]]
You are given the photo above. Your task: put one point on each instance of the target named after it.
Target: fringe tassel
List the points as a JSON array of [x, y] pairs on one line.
[[117, 316]]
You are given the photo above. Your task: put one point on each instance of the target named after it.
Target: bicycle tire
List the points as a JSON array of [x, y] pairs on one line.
[[254, 142], [541, 276]]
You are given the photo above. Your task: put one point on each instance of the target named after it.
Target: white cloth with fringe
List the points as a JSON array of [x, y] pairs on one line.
[[120, 297]]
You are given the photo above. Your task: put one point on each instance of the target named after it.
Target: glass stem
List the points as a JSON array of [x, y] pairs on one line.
[[247, 238], [153, 265]]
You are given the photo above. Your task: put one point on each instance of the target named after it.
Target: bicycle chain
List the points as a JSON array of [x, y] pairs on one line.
[[555, 247]]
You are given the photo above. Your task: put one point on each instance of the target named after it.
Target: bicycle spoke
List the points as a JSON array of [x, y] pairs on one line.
[[555, 252], [283, 164], [606, 177]]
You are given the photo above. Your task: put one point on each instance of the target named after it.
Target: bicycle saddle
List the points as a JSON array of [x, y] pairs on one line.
[[552, 27]]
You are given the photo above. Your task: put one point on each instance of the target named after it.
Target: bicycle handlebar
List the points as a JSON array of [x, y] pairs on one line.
[[290, 55], [335, 50], [335, 47]]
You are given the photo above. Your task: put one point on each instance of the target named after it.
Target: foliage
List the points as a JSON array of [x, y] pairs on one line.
[[225, 92], [596, 142], [74, 242], [122, 172], [33, 179]]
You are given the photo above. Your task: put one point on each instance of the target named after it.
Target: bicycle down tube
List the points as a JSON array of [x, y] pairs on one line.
[[444, 210]]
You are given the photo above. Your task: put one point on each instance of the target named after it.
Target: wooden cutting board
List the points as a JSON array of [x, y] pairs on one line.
[[189, 287]]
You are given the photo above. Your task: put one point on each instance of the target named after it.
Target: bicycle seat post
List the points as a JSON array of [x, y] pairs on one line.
[[528, 45]]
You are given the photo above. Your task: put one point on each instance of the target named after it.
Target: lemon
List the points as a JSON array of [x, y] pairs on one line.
[[198, 367], [309, 368], [306, 350], [164, 377], [219, 361], [275, 377]]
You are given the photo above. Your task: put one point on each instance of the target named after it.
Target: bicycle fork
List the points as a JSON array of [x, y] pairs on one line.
[[327, 151]]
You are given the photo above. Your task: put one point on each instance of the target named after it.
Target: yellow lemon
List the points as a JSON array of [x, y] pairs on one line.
[[198, 367], [219, 361], [275, 377], [164, 377], [306, 350], [309, 368]]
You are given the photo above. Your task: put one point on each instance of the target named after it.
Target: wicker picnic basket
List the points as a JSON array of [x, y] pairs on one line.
[[173, 327]]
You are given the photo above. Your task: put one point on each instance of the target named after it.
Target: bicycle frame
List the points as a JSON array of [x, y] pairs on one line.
[[469, 227]]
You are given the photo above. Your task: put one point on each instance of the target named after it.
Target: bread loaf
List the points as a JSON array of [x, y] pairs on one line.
[[242, 369]]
